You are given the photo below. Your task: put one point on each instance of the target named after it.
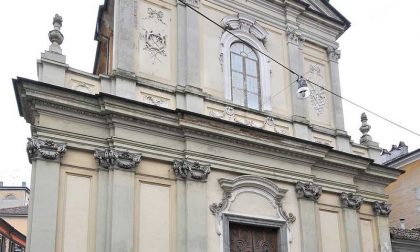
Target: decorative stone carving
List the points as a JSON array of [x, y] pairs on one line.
[[55, 35], [351, 200], [364, 129], [47, 149], [381, 208], [229, 113], [155, 44], [155, 14], [308, 190], [155, 101], [295, 36], [245, 23], [333, 54], [193, 3], [253, 185], [110, 158], [187, 169], [405, 234]]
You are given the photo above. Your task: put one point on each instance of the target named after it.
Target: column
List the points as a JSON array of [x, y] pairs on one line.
[[343, 140], [382, 211], [308, 194], [189, 80], [295, 40], [191, 205], [44, 155], [119, 189], [351, 204]]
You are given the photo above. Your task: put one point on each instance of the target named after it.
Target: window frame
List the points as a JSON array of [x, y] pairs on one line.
[[264, 67], [245, 75], [281, 226]]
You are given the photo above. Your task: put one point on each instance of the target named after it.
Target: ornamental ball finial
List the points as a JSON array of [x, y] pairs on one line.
[[364, 129], [55, 35]]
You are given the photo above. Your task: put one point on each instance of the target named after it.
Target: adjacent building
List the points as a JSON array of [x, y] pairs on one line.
[[11, 240], [192, 134]]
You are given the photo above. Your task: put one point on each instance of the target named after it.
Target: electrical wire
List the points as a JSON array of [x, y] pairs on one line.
[[295, 73]]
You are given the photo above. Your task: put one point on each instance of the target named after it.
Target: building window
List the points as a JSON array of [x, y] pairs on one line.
[[247, 71], [245, 81]]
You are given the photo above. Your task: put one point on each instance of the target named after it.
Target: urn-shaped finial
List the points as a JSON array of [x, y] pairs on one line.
[[55, 35], [364, 129]]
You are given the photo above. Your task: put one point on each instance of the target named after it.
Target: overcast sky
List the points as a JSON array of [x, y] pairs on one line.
[[378, 66]]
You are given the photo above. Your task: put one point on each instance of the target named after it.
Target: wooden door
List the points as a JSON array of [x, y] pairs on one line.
[[247, 238]]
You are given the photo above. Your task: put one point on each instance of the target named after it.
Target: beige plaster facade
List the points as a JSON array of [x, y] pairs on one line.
[[150, 154]]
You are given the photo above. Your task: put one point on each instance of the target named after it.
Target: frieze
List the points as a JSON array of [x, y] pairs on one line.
[[46, 149], [111, 158], [153, 100], [229, 113], [186, 169], [308, 190], [381, 208], [351, 200]]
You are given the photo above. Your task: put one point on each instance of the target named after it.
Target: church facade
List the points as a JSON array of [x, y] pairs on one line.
[[190, 135]]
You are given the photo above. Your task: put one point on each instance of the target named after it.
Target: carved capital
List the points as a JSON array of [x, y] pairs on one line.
[[308, 190], [110, 159], [193, 3], [295, 36], [333, 54], [46, 149], [381, 208], [186, 169], [351, 200]]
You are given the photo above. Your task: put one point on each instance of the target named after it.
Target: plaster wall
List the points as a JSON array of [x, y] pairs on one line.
[[405, 193], [20, 223]]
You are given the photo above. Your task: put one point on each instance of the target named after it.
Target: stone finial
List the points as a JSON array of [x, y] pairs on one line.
[[308, 190], [187, 169], [381, 208], [351, 200], [366, 138], [55, 35], [110, 158], [45, 149]]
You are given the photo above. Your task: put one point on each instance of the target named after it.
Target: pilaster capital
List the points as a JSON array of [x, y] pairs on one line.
[[381, 208], [186, 169], [45, 149], [333, 54], [115, 159], [351, 200], [308, 190], [295, 36], [193, 3]]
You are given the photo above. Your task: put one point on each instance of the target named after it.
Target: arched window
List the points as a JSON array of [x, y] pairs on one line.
[[246, 90], [10, 196], [246, 69]]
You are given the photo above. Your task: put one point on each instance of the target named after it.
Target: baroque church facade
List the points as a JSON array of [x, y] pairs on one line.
[[189, 135]]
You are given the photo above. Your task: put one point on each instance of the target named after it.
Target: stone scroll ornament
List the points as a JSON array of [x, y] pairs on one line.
[[308, 190], [186, 169], [381, 208], [110, 158], [351, 200], [46, 149]]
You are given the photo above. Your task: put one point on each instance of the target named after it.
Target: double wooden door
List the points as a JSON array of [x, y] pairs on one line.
[[247, 238]]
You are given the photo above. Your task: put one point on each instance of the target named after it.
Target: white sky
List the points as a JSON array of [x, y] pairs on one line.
[[378, 66]]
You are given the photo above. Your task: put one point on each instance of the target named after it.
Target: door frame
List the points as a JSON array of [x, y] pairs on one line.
[[281, 227]]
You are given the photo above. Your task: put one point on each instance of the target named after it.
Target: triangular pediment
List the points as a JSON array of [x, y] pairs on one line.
[[324, 8]]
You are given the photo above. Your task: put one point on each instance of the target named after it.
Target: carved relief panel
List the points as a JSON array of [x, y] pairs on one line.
[[155, 41]]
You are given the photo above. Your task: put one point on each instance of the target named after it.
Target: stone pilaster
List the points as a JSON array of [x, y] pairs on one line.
[[116, 200], [45, 156], [351, 203], [343, 141], [189, 57], [295, 41], [191, 205], [308, 193]]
